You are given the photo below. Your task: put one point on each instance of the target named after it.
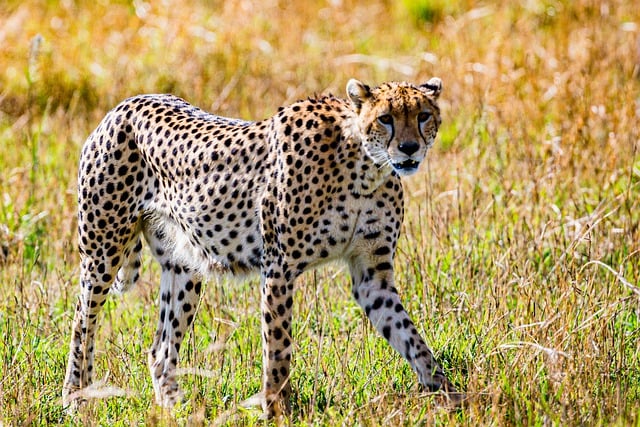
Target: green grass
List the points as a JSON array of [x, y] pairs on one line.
[[520, 257]]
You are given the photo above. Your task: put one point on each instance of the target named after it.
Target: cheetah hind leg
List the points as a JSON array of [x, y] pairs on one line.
[[179, 296], [93, 293]]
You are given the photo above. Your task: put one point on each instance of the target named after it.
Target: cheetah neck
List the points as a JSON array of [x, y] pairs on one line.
[[369, 175]]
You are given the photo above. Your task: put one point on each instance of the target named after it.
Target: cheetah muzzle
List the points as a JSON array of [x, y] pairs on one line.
[[406, 167], [318, 181]]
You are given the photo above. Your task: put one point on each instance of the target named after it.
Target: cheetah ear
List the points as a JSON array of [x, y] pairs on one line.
[[358, 92], [434, 86]]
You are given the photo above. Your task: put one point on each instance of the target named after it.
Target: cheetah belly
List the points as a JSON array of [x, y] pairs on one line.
[[231, 250]]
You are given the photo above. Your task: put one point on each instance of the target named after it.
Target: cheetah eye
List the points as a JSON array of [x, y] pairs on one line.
[[385, 119], [423, 117]]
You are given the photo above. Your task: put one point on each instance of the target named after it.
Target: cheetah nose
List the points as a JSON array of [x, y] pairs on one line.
[[408, 147]]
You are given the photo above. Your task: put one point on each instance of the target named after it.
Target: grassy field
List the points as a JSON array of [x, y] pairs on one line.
[[520, 258]]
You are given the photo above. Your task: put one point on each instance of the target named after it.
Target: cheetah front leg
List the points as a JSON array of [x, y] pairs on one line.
[[373, 289], [276, 307]]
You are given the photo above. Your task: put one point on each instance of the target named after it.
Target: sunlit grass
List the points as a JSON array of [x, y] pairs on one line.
[[520, 255]]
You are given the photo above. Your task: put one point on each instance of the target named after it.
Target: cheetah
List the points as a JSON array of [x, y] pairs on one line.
[[317, 182]]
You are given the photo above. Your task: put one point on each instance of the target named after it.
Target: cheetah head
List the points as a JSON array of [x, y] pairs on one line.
[[397, 121]]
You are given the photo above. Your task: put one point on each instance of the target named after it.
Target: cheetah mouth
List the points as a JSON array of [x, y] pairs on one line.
[[406, 167]]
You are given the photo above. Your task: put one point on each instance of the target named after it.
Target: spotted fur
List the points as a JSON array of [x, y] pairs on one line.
[[318, 181]]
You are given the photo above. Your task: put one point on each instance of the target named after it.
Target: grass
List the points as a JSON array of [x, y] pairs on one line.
[[520, 258]]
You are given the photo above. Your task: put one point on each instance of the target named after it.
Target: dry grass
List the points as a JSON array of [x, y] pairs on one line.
[[521, 254]]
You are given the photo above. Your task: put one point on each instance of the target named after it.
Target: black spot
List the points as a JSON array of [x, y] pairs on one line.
[[121, 137], [384, 266], [386, 331], [277, 333], [382, 250]]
